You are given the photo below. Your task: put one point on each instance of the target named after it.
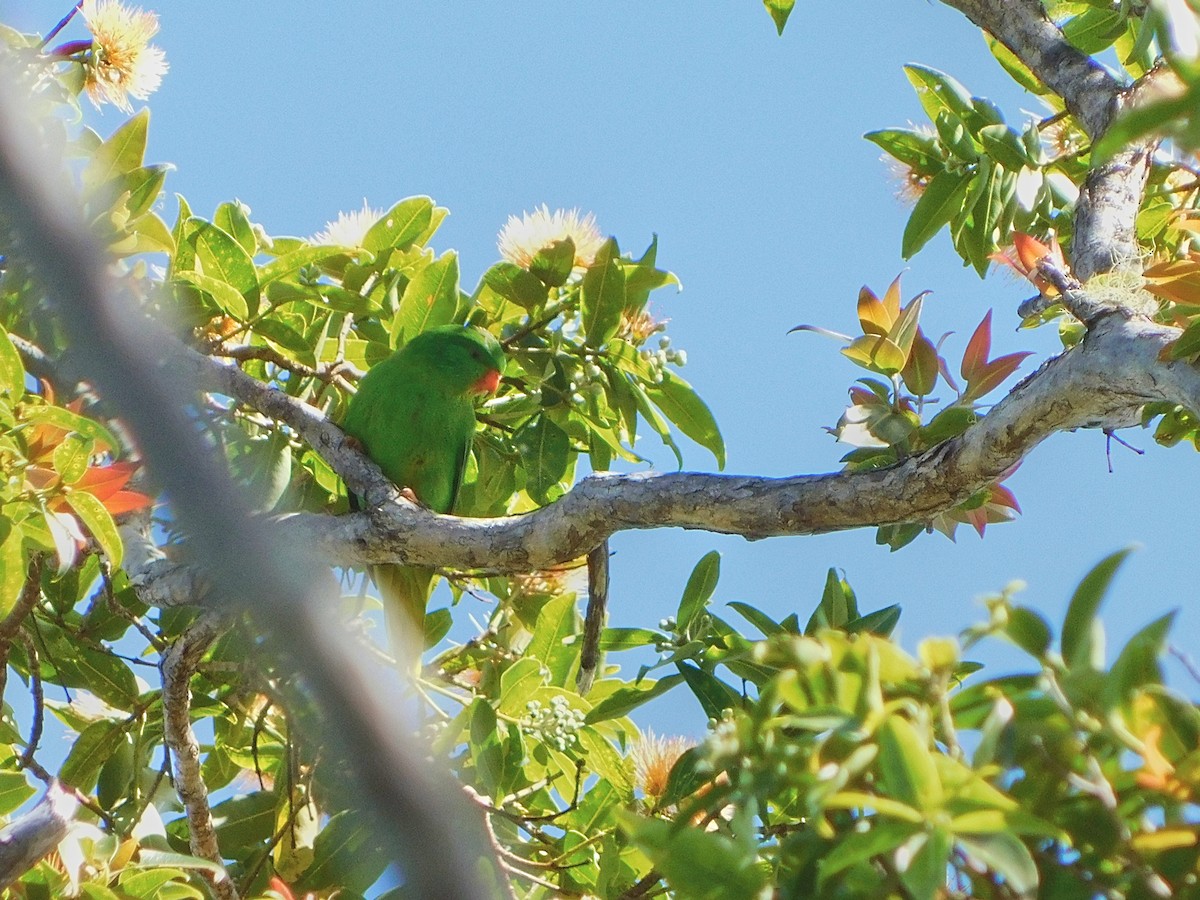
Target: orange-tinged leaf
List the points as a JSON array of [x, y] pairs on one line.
[[873, 316], [891, 298], [877, 353], [104, 481], [994, 374], [1030, 250], [126, 501], [978, 348], [1002, 496]]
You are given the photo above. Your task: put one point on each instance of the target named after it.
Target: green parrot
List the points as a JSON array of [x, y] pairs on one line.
[[414, 414]]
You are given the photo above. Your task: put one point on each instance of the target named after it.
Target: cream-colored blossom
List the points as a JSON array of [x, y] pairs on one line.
[[349, 229], [122, 62], [521, 239]]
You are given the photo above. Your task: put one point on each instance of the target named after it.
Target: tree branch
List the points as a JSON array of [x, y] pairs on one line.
[[178, 665], [1102, 383]]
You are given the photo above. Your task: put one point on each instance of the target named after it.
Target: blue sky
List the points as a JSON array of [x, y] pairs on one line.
[[743, 152]]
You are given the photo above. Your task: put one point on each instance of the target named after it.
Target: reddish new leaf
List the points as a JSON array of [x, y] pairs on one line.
[[975, 357]]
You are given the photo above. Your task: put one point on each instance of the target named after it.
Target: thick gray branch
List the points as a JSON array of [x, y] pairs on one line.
[[1104, 382], [1022, 26]]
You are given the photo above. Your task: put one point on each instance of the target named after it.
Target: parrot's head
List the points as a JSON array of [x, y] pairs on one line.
[[469, 358]]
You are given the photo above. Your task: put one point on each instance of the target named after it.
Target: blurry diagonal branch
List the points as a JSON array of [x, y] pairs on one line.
[[249, 569]]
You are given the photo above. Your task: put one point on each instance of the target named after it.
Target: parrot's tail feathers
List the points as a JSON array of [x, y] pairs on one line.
[[405, 591]]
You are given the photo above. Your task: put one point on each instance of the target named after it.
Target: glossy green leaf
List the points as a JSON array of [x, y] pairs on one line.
[[226, 297], [554, 627], [430, 299], [62, 418], [400, 226], [697, 864], [552, 264], [914, 149], [71, 457], [906, 765], [628, 638], [221, 257], [120, 154], [437, 625], [1085, 603], [624, 700], [860, 846], [938, 92], [1007, 856], [347, 854], [231, 218], [12, 371], [518, 684], [838, 604], [100, 523], [1004, 145], [108, 677], [756, 617], [1094, 30], [13, 565], [603, 295], [682, 405], [1137, 664], [881, 622], [544, 449], [486, 752], [93, 746], [516, 284], [699, 590], [715, 696], [1028, 630], [939, 202], [920, 373], [779, 10]]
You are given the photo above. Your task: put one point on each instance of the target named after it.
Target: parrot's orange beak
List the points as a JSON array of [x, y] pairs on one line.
[[487, 384]]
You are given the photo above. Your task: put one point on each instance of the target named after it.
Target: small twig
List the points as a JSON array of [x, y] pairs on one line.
[[50, 35], [1111, 435], [1185, 660], [110, 599], [39, 700]]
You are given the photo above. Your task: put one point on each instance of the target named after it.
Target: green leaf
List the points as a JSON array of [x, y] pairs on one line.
[[938, 92], [12, 565], [98, 521], [756, 617], [231, 218], [552, 264], [624, 700], [715, 696], [1004, 145], [603, 296], [14, 791], [881, 622], [684, 779], [544, 449], [645, 277], [71, 457], [1005, 855], [437, 626], [120, 154], [12, 372], [555, 624], [837, 607], [699, 589], [430, 299], [914, 149], [346, 855], [227, 298], [516, 285], [697, 864], [400, 226], [1094, 30], [1137, 663], [925, 874], [1162, 116], [223, 258], [70, 421], [93, 746], [906, 765], [861, 846], [627, 638], [1028, 630], [518, 684], [940, 201], [921, 371], [779, 10], [486, 752], [1081, 612], [691, 415], [295, 260], [108, 677]]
